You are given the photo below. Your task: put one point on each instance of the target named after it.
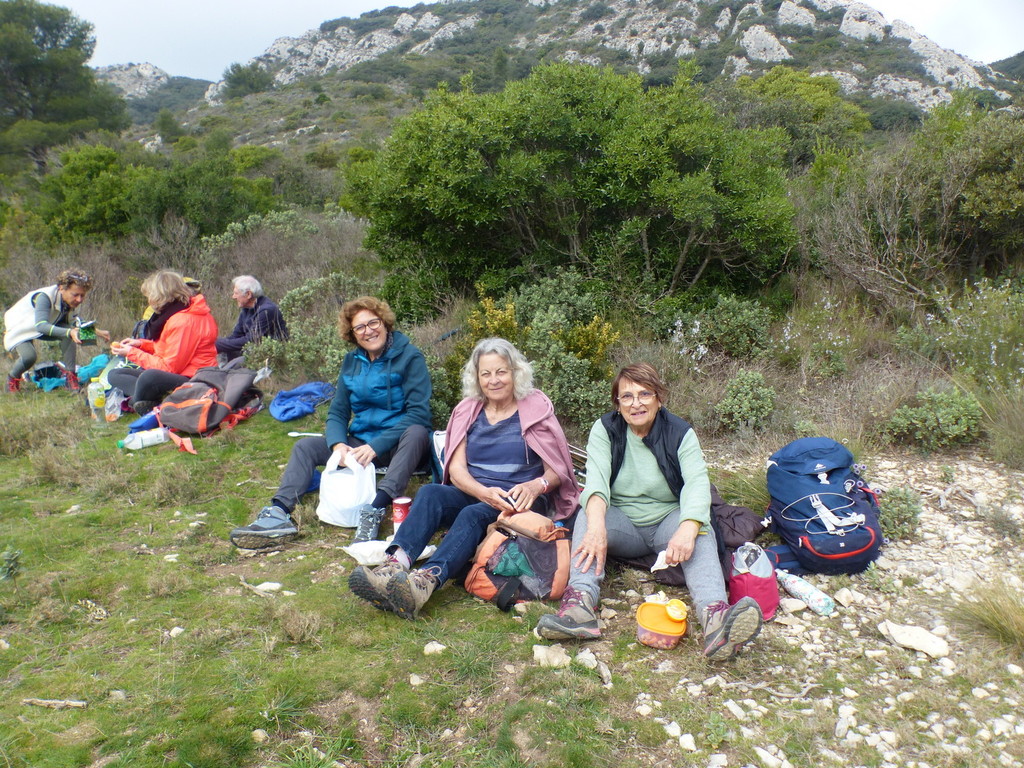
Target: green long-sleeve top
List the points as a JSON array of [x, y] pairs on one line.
[[640, 490], [43, 310]]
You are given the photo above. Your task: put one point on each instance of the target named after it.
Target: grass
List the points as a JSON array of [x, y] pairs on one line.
[[996, 611], [328, 679], [1004, 426]]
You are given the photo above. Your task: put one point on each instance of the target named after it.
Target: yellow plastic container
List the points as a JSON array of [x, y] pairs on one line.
[[657, 626]]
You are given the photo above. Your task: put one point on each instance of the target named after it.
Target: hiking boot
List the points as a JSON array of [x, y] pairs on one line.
[[408, 591], [727, 628], [142, 407], [271, 527], [369, 523], [13, 384], [576, 619], [371, 584]]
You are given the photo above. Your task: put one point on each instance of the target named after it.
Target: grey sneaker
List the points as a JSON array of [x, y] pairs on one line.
[[369, 523], [576, 619], [371, 584], [408, 591], [727, 628], [271, 527]]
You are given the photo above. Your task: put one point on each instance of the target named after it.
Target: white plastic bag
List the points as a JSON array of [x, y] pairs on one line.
[[343, 490]]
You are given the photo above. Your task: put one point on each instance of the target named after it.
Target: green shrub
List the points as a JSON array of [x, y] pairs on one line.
[[285, 222], [980, 332], [314, 349], [733, 327], [554, 323], [940, 419], [814, 338], [748, 401], [900, 513]]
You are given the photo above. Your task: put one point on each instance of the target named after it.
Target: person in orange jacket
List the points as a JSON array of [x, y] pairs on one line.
[[179, 340]]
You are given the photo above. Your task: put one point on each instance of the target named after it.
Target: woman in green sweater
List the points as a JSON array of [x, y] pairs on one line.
[[647, 492]]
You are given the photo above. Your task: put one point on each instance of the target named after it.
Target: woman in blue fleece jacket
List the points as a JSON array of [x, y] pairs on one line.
[[380, 413]]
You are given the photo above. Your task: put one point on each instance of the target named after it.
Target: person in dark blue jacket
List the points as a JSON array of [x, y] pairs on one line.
[[380, 413], [259, 318]]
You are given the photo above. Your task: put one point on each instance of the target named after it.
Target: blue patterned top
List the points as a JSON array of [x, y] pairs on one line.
[[497, 456]]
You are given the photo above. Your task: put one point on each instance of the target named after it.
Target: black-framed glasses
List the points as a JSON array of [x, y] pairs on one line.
[[372, 325], [644, 397]]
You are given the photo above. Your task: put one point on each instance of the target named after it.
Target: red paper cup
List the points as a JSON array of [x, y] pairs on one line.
[[400, 510]]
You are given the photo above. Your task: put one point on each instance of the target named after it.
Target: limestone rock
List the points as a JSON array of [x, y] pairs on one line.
[[133, 80], [762, 45], [791, 13], [586, 658], [915, 638], [792, 605], [551, 656], [863, 22]]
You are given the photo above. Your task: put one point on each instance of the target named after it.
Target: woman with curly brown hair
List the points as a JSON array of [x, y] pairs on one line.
[[46, 314], [380, 413]]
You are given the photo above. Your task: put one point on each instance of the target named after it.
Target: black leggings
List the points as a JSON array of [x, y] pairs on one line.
[[145, 384]]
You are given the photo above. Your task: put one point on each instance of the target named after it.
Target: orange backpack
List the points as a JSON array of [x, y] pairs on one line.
[[214, 397], [522, 557]]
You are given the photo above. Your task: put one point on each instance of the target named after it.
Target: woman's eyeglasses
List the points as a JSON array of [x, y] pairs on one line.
[[372, 325], [644, 398]]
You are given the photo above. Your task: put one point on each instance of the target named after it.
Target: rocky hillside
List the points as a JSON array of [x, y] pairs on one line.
[[148, 89], [133, 80], [869, 55]]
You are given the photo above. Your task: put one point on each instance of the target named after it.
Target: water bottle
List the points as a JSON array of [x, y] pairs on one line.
[[144, 439], [97, 398], [816, 600]]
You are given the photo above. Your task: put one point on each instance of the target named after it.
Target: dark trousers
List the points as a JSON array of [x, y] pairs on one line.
[[26, 354], [311, 452], [145, 384]]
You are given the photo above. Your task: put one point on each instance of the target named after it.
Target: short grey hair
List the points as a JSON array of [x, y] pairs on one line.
[[522, 370], [248, 284]]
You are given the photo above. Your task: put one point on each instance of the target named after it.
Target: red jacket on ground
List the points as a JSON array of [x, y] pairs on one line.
[[186, 344]]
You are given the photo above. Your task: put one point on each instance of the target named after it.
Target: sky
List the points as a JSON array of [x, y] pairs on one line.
[[201, 38]]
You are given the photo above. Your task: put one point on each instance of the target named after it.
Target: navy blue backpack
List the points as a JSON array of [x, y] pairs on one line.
[[821, 508]]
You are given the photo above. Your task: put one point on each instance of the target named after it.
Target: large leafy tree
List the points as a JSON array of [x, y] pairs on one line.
[[808, 107], [937, 208], [47, 93], [576, 166], [97, 192]]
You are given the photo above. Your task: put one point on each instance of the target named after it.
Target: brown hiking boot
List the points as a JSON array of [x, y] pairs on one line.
[[371, 584], [408, 592]]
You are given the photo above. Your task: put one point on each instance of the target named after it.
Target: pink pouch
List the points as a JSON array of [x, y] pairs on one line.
[[753, 575]]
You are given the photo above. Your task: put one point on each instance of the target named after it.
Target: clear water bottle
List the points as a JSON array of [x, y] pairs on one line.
[[144, 439], [96, 395]]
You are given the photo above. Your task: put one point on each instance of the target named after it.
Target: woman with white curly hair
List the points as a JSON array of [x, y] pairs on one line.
[[505, 453]]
